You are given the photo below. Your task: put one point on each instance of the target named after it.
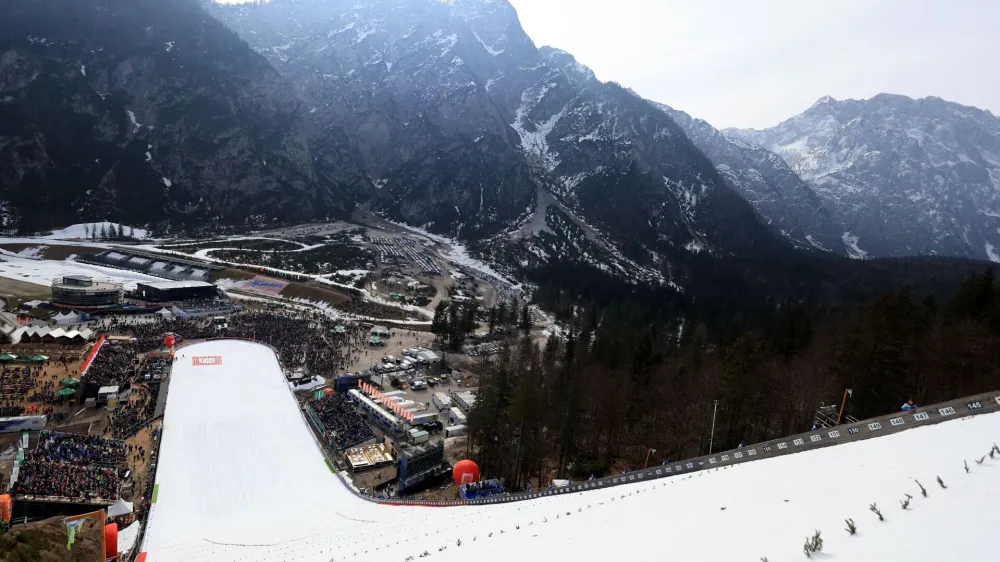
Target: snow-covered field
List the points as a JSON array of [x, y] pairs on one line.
[[43, 272], [241, 478]]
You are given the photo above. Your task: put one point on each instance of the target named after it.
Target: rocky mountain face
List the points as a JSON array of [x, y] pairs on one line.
[[901, 176], [145, 111], [778, 194], [460, 125]]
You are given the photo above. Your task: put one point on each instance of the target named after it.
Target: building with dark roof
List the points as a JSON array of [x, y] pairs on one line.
[[168, 291]]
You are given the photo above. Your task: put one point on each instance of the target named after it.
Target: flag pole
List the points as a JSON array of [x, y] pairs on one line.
[[711, 440], [842, 404]]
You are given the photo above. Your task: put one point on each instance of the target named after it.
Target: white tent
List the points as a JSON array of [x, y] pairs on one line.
[[67, 318], [165, 313], [120, 507], [127, 538]]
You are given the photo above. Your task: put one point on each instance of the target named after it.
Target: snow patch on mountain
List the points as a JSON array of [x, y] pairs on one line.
[[992, 254], [534, 136], [135, 124], [489, 48], [853, 250]]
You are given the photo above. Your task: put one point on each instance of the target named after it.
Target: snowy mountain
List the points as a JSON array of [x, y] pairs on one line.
[[778, 194], [901, 176], [460, 125]]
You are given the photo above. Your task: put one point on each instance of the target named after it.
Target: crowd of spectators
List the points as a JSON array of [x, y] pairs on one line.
[[73, 466], [80, 449], [17, 380], [62, 479], [114, 365], [130, 416], [343, 426], [23, 384]]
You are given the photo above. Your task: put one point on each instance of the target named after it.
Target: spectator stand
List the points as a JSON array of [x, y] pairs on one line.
[[481, 489], [69, 473], [340, 423]]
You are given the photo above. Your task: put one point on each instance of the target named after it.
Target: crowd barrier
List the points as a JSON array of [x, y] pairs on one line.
[[93, 354]]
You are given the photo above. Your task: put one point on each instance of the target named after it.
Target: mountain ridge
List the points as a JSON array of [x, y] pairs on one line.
[[903, 176]]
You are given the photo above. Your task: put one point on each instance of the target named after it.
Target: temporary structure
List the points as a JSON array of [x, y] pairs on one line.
[[8, 357], [67, 318], [120, 507]]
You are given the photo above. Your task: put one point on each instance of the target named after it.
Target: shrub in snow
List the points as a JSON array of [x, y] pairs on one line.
[[922, 489], [981, 459], [813, 544], [874, 509], [851, 527], [905, 504], [966, 463], [458, 542]]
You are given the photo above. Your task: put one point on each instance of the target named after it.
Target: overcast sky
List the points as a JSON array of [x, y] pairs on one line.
[[745, 63]]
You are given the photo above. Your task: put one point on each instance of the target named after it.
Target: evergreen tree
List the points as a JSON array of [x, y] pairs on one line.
[[112, 232], [493, 319], [439, 324], [104, 231], [130, 233], [525, 319], [86, 230], [469, 317]]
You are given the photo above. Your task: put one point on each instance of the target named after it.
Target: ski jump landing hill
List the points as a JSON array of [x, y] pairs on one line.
[[241, 478]]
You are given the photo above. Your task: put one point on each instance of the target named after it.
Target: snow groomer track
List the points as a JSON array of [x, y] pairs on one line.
[[240, 477]]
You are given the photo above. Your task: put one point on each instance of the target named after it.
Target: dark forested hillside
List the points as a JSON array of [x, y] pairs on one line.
[[146, 111], [620, 385]]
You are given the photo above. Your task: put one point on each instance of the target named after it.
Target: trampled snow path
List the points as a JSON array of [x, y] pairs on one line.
[[240, 478]]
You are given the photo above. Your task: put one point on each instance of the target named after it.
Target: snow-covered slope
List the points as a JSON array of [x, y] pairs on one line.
[[237, 485], [901, 176]]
